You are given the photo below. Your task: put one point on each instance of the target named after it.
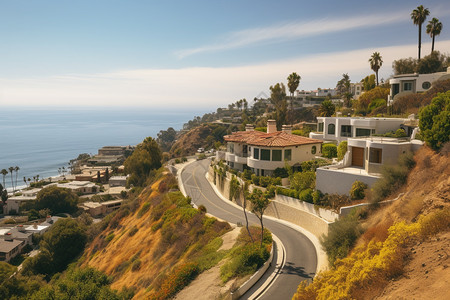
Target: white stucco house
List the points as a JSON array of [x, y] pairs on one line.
[[363, 162], [404, 84], [263, 152], [338, 129]]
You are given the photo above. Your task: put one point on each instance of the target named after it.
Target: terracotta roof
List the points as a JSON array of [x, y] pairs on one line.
[[275, 139]]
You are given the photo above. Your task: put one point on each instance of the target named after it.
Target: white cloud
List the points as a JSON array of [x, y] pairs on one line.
[[197, 87], [294, 31]]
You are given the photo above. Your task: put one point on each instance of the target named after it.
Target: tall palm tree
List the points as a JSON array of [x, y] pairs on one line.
[[293, 82], [4, 172], [375, 63], [419, 15], [17, 172], [434, 28], [11, 170]]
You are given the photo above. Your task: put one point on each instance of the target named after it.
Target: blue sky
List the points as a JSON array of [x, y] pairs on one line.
[[195, 53]]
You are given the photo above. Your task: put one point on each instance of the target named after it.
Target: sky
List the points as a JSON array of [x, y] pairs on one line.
[[196, 54]]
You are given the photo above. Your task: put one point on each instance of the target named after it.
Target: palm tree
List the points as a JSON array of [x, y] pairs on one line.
[[419, 16], [25, 180], [375, 63], [11, 170], [4, 172], [434, 28], [293, 82], [17, 173]]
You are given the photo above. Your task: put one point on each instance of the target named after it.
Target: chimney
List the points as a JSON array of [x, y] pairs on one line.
[[21, 228], [49, 220], [271, 126], [287, 129], [8, 237], [249, 127]]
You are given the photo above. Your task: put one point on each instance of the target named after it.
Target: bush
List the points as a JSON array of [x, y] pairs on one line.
[[176, 280], [341, 150], [306, 195], [357, 190], [280, 172], [434, 121], [329, 150], [202, 208], [312, 165], [341, 238], [303, 180]]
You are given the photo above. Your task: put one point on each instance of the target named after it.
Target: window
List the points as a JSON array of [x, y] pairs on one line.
[[313, 150], [276, 155], [375, 155], [288, 154], [320, 127], [407, 86], [331, 128], [362, 132], [256, 153], [231, 148], [373, 131], [346, 130], [265, 154], [426, 85]]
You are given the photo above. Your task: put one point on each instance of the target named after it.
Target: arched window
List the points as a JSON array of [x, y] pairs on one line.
[[313, 150], [331, 128]]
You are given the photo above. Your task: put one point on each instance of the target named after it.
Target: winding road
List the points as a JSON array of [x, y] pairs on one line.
[[300, 255]]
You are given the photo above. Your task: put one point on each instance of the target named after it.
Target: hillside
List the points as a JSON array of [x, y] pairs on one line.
[[403, 250], [204, 136], [154, 240]]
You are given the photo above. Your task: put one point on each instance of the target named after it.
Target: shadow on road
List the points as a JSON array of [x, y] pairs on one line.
[[291, 269]]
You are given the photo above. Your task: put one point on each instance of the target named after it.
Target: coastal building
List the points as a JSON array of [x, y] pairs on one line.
[[79, 187], [118, 181], [405, 84], [100, 208], [363, 162], [263, 152], [356, 89], [10, 248], [338, 129]]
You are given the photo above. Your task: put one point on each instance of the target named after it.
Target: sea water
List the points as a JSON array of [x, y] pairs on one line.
[[40, 141]]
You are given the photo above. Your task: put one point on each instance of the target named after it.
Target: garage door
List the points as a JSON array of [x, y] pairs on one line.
[[357, 156]]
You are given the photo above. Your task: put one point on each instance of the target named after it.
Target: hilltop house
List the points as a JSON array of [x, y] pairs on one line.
[[338, 129], [263, 152], [363, 162], [413, 83]]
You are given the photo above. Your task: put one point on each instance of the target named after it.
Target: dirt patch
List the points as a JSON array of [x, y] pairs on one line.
[[427, 274], [229, 238]]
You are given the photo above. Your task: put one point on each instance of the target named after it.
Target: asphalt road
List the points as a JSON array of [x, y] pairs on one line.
[[301, 258]]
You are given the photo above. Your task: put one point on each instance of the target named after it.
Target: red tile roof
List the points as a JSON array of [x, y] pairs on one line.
[[275, 139]]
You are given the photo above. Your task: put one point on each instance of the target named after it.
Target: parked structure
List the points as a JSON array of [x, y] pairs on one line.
[[404, 84], [263, 152], [363, 162], [338, 129]]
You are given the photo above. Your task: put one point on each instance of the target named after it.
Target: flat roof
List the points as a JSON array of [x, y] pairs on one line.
[[8, 246]]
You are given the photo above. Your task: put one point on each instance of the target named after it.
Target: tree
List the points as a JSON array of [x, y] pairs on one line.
[[260, 201], [245, 196], [326, 109], [343, 88], [145, 158], [4, 172], [16, 169], [293, 82], [59, 246], [404, 66], [3, 195], [369, 82], [434, 121], [375, 63], [434, 28], [58, 200], [419, 15], [435, 62], [11, 170], [278, 99]]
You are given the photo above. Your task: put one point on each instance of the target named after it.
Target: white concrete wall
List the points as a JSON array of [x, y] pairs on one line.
[[338, 182]]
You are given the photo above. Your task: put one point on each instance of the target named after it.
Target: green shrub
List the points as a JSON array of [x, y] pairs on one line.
[[306, 195], [303, 180], [143, 210], [109, 237], [264, 181], [329, 150], [341, 150], [317, 197], [341, 237], [280, 172], [357, 190], [312, 165]]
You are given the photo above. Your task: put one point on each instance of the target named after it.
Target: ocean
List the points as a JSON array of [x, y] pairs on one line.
[[39, 141]]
